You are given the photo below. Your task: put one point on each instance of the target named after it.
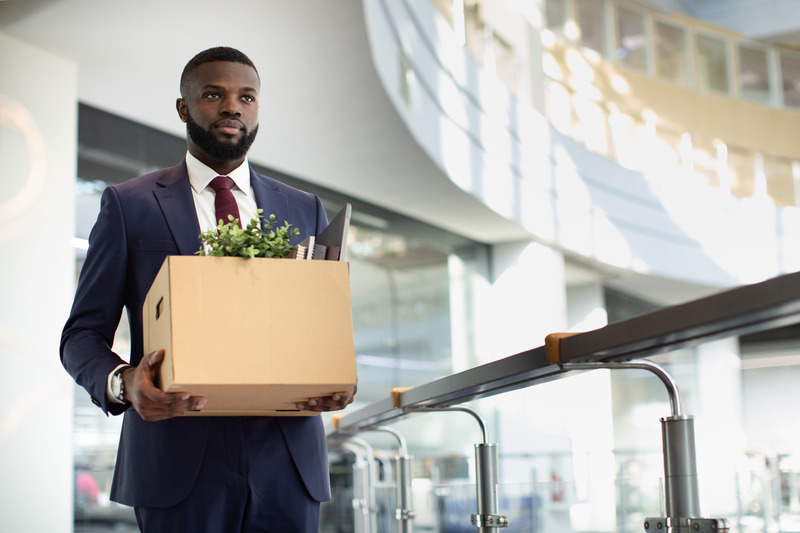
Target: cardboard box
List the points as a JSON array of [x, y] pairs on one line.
[[254, 336]]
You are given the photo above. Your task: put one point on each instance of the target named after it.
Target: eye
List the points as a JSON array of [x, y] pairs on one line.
[[211, 95], [248, 98]]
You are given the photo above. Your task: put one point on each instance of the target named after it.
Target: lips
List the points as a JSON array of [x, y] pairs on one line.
[[229, 127]]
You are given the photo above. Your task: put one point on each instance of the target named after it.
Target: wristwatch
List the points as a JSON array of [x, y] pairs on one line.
[[117, 386]]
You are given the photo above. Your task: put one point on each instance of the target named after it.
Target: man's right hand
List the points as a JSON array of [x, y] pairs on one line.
[[149, 401]]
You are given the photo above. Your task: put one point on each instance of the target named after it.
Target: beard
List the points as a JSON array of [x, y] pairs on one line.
[[216, 149]]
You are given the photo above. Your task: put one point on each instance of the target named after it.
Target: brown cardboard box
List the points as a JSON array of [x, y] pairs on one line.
[[253, 336]]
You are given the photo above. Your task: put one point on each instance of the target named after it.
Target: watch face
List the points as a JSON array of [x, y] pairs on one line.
[[116, 385]]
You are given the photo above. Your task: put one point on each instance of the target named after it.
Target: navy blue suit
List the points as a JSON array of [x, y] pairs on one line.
[[141, 222]]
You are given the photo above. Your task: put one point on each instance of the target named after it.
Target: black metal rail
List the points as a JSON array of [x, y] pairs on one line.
[[747, 309]]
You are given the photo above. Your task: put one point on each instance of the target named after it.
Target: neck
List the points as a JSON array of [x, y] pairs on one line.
[[222, 168]]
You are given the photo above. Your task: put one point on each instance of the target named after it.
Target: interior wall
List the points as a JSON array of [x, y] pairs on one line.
[[38, 130]]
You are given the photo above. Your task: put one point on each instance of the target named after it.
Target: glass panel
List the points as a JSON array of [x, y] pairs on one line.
[[670, 52], [753, 76], [591, 21], [632, 40], [712, 63], [790, 73]]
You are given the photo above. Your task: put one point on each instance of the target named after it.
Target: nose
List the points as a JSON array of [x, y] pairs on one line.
[[231, 106]]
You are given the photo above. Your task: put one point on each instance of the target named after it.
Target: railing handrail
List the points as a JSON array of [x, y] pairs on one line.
[[746, 309]]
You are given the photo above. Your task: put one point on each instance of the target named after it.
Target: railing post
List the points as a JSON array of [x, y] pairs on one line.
[[364, 505], [487, 519], [680, 461], [403, 462], [680, 467], [486, 478]]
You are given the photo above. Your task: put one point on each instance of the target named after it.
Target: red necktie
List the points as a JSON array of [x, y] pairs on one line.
[[224, 202]]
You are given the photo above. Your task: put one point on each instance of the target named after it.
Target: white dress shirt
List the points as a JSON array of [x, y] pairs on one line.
[[200, 177]]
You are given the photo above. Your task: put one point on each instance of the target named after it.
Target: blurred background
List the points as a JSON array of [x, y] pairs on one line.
[[516, 168]]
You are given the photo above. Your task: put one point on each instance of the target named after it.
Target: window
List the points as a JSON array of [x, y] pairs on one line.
[[712, 63], [753, 75], [790, 74], [591, 21], [670, 52], [631, 39]]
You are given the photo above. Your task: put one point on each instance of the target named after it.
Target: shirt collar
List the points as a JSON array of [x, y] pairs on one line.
[[200, 175]]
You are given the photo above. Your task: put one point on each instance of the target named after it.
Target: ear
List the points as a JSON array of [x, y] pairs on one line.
[[180, 105]]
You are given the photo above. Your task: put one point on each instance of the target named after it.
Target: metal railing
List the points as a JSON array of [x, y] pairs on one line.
[[751, 308]]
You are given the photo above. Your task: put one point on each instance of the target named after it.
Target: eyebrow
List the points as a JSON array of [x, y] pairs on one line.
[[215, 87]]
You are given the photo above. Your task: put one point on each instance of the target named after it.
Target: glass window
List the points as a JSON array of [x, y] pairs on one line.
[[591, 21], [712, 63], [790, 74], [753, 75], [670, 51], [631, 39]]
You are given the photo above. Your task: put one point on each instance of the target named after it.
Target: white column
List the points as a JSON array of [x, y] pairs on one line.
[[719, 424], [38, 132], [527, 299]]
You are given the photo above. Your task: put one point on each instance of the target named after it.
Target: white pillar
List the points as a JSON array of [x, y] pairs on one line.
[[719, 426], [38, 146], [527, 300]]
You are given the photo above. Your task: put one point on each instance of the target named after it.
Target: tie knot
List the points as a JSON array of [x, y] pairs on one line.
[[221, 182]]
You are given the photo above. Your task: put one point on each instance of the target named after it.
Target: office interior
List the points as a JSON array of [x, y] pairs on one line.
[[516, 168]]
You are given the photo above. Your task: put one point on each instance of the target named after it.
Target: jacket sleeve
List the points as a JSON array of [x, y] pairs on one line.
[[88, 335]]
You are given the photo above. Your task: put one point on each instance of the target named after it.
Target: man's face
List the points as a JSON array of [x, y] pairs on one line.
[[220, 110]]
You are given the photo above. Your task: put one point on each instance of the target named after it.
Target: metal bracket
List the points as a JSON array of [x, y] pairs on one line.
[[685, 525], [404, 514], [489, 520]]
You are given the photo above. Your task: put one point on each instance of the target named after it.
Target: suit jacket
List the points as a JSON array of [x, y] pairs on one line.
[[142, 221]]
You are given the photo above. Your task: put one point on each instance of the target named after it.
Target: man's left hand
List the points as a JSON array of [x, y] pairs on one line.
[[334, 402]]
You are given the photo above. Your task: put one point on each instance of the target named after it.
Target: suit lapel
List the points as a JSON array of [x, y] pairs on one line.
[[174, 196], [269, 198]]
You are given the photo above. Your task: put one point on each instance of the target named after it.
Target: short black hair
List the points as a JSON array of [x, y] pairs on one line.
[[218, 53]]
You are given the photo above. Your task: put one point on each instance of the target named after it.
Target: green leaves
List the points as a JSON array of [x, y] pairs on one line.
[[230, 240]]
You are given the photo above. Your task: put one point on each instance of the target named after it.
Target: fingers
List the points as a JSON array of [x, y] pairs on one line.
[[153, 361], [334, 402], [158, 405], [150, 402]]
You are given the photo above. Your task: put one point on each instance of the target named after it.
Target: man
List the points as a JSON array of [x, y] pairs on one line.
[[193, 474]]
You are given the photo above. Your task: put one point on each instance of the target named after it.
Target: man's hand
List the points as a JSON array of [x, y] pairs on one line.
[[150, 402], [335, 402]]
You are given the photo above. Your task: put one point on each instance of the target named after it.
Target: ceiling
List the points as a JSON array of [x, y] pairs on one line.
[[325, 118]]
